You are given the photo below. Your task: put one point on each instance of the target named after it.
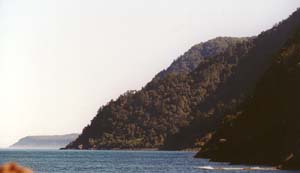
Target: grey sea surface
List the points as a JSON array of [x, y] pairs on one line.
[[116, 161]]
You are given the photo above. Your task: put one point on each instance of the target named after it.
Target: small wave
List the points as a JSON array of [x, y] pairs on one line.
[[237, 168]]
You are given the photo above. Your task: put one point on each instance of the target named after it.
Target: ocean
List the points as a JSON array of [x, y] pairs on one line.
[[120, 161]]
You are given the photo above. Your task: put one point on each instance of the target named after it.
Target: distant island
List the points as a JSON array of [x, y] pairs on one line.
[[44, 142]]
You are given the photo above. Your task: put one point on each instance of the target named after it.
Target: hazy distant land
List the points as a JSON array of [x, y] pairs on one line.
[[44, 142]]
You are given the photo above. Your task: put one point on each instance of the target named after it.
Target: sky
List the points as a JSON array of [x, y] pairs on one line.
[[60, 60]]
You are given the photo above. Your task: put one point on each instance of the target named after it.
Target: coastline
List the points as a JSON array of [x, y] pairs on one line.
[[195, 150]]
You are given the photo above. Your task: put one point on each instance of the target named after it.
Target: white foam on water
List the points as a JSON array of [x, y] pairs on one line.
[[237, 168]]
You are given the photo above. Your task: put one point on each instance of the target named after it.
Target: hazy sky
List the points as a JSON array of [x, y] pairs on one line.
[[60, 60]]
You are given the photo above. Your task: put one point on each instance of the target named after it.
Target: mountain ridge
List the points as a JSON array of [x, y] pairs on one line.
[[189, 61]]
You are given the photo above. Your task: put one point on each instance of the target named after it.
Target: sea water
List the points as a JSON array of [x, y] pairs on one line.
[[107, 161]]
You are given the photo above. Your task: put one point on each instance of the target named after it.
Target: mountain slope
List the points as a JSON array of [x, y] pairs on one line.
[[179, 107], [198, 53], [265, 130], [44, 142], [240, 84], [144, 119]]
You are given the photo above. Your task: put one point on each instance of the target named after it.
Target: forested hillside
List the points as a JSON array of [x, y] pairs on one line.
[[183, 105], [190, 60], [239, 86], [145, 118], [265, 129]]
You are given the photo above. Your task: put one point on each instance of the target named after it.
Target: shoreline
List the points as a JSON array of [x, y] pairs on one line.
[[134, 149]]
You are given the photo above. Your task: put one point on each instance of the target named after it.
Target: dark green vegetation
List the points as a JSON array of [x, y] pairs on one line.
[[265, 129], [153, 116], [250, 81], [44, 142], [193, 57]]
